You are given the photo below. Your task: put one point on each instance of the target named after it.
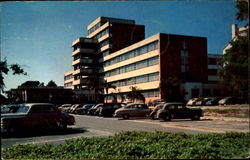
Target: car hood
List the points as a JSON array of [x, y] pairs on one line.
[[13, 115]]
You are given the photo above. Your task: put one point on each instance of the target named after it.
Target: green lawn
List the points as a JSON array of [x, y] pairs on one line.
[[147, 145]]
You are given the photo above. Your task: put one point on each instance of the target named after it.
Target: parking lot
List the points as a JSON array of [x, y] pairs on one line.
[[92, 126]]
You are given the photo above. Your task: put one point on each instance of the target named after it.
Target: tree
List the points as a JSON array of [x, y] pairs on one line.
[[242, 7], [135, 94], [235, 67], [94, 82], [5, 68], [51, 84], [235, 61], [170, 89], [107, 86], [28, 84]]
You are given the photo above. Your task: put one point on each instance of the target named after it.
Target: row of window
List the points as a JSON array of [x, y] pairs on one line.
[[136, 80], [133, 66], [136, 52], [104, 43], [95, 27], [147, 94], [68, 84], [102, 33], [68, 77]]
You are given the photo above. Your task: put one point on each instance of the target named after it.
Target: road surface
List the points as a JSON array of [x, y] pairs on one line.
[[91, 126]]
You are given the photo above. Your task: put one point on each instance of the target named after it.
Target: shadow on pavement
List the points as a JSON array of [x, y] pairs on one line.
[[39, 132]]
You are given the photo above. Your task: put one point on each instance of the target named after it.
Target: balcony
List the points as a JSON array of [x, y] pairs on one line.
[[108, 46], [83, 71], [106, 36], [80, 81], [84, 40], [83, 50], [82, 61]]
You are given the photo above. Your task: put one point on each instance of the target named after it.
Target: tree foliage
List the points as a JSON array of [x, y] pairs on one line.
[[135, 94], [51, 84], [5, 68], [170, 88], [242, 6], [235, 67]]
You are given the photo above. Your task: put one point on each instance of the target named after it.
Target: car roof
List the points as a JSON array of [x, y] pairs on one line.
[[173, 103], [35, 104]]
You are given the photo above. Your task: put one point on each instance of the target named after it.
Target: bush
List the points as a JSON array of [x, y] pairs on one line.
[[138, 144]]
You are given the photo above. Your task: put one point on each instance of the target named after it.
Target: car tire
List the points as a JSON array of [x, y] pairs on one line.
[[153, 116], [195, 117], [167, 118], [61, 125], [125, 116]]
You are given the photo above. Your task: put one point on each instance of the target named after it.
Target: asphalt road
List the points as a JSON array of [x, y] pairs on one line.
[[91, 126]]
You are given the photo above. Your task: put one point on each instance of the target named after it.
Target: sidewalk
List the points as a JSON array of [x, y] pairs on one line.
[[226, 118]]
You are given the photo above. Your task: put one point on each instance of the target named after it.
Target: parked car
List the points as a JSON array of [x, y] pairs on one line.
[[75, 107], [158, 101], [132, 110], [36, 115], [202, 101], [65, 107], [152, 114], [213, 101], [178, 110], [192, 101], [84, 109], [108, 109], [92, 110], [9, 108], [230, 100]]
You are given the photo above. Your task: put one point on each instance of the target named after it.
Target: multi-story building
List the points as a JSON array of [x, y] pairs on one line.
[[116, 50], [105, 36], [146, 63]]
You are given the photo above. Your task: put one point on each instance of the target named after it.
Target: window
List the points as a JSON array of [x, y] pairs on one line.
[[141, 64], [133, 53], [153, 61]]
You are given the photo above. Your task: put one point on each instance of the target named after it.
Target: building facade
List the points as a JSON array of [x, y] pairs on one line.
[[122, 56]]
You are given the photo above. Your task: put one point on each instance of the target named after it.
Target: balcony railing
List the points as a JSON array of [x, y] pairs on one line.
[[80, 60], [83, 50]]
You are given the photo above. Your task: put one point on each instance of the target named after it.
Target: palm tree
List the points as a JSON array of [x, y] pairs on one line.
[[106, 85], [135, 94], [94, 83]]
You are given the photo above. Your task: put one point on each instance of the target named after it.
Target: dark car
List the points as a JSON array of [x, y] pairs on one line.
[[92, 110], [74, 108], [202, 101], [213, 102], [84, 109], [132, 110], [152, 114], [230, 100], [65, 107], [36, 115], [108, 109], [178, 110]]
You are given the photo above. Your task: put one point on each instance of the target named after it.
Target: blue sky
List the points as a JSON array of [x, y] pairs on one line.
[[38, 35]]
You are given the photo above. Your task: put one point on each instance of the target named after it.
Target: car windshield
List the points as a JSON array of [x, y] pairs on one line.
[[22, 109]]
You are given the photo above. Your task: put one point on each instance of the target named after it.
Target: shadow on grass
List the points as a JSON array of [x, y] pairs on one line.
[[26, 133]]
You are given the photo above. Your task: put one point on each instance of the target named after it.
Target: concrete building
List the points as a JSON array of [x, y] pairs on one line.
[[161, 56], [105, 36], [236, 32], [116, 50]]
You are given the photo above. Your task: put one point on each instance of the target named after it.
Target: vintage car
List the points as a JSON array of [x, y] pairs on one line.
[[36, 115], [177, 110], [152, 114], [108, 109], [132, 110]]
